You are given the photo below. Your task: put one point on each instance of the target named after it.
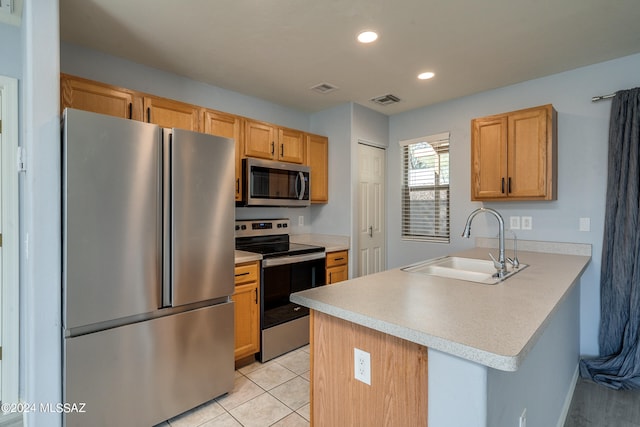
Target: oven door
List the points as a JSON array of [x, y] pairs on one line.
[[281, 277], [270, 183]]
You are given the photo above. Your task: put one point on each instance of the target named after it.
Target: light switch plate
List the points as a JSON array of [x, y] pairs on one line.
[[585, 224], [527, 223]]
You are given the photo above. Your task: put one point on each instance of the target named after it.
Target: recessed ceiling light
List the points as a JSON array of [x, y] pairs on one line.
[[367, 37], [426, 76]]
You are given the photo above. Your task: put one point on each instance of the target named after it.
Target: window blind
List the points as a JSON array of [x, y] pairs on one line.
[[425, 189]]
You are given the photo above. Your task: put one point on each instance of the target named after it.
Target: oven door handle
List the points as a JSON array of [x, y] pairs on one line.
[[271, 262]]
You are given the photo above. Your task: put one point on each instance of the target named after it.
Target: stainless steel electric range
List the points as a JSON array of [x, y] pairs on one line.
[[286, 268]]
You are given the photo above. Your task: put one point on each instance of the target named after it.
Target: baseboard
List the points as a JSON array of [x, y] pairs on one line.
[[568, 398]]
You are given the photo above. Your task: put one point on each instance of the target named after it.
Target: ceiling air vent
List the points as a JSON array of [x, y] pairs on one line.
[[324, 88], [386, 99]]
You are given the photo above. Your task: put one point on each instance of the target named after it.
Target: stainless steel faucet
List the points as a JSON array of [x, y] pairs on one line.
[[500, 264]]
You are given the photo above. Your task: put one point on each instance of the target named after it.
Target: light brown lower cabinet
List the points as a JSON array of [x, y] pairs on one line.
[[337, 266], [247, 311], [397, 395]]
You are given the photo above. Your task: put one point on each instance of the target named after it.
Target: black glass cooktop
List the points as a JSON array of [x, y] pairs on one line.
[[273, 248]]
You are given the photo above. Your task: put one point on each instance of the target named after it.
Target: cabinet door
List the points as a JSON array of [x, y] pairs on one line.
[[317, 158], [489, 158], [229, 126], [171, 114], [259, 140], [337, 274], [290, 145], [246, 318], [527, 149], [247, 314], [100, 98]]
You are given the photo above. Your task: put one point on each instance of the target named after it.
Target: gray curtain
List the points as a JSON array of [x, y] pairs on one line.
[[618, 366]]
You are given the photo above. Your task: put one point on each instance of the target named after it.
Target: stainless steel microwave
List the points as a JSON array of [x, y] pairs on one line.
[[272, 183]]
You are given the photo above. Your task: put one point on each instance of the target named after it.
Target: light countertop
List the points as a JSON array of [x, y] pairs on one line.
[[493, 325], [244, 256], [331, 243]]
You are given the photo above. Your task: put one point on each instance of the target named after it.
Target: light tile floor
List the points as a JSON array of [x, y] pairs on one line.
[[275, 393]]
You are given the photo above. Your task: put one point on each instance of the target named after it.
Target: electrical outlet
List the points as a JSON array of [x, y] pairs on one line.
[[523, 418], [527, 223], [362, 366], [514, 222], [300, 221]]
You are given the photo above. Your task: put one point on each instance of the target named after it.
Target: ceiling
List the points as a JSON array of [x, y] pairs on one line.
[[278, 49]]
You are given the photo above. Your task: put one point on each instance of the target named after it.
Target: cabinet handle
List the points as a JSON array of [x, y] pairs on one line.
[[370, 231], [330, 280], [130, 110], [256, 295], [148, 114], [502, 186], [339, 259], [237, 185], [273, 147], [509, 185], [242, 274], [281, 150]]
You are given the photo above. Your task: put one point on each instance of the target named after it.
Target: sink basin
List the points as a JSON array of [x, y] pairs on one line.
[[469, 269]]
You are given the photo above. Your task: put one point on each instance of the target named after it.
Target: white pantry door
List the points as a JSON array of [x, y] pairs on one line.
[[371, 201]]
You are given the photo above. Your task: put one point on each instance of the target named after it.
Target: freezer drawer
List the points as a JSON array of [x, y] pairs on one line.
[[144, 373]]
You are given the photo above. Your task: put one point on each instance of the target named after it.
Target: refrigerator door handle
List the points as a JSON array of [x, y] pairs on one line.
[[166, 219]]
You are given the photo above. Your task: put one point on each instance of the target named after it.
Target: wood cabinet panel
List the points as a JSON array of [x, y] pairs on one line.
[[514, 155], [317, 158], [337, 266], [229, 126], [168, 113], [259, 140], [247, 313], [100, 98], [265, 141], [290, 145], [399, 377]]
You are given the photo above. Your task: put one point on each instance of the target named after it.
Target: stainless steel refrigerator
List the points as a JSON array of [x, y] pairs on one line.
[[148, 216]]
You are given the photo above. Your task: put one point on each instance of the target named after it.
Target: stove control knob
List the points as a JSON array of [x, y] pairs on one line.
[[243, 227], [237, 227], [284, 225]]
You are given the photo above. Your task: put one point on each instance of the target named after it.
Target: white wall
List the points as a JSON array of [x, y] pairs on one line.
[[582, 152], [94, 65], [335, 217], [40, 212], [11, 50]]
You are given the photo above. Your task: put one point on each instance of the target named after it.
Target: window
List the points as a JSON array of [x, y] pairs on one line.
[[425, 188]]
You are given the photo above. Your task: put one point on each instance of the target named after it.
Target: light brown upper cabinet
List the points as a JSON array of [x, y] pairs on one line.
[[317, 158], [514, 155], [100, 98], [168, 113], [266, 141], [229, 126]]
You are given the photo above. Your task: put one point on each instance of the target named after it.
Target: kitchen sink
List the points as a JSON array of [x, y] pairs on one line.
[[469, 269]]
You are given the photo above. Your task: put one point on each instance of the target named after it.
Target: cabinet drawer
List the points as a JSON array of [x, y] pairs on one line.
[[337, 258], [245, 273]]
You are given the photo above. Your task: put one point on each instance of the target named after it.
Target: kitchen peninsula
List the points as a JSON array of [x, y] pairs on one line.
[[446, 352]]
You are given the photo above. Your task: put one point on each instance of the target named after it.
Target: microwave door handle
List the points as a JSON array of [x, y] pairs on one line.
[[296, 186], [303, 184]]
